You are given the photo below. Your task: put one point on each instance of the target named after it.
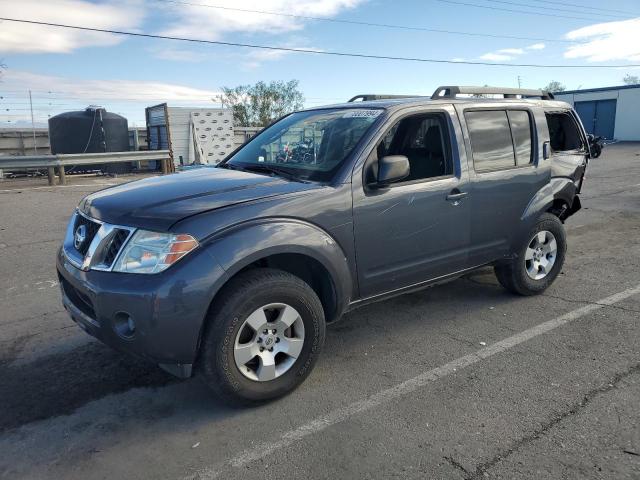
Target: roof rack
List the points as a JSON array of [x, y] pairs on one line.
[[369, 96], [454, 91]]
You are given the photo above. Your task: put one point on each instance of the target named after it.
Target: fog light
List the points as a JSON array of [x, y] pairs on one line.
[[124, 325]]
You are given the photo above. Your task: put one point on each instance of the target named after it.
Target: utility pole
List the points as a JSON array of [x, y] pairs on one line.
[[33, 126], [519, 82]]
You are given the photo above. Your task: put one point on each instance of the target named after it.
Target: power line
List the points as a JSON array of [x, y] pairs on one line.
[[585, 6], [557, 9], [367, 24], [314, 52], [487, 7]]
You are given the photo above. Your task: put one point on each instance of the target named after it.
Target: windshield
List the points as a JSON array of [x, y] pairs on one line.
[[307, 145]]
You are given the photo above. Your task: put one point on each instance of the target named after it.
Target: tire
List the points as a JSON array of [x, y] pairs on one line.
[[518, 275], [279, 296]]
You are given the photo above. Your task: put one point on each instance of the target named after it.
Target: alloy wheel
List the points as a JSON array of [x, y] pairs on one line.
[[269, 342]]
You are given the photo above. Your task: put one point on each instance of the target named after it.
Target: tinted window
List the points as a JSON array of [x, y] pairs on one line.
[[490, 140], [423, 140], [563, 132], [310, 144], [521, 132]]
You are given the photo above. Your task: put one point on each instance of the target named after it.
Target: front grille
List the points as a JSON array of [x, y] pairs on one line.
[[114, 246], [79, 299], [91, 230]]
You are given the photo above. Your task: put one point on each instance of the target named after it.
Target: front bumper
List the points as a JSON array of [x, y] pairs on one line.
[[168, 309]]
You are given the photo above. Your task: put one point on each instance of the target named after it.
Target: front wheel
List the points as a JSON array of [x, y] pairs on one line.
[[538, 261], [263, 338]]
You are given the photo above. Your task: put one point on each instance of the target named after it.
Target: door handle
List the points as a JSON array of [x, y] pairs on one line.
[[456, 195]]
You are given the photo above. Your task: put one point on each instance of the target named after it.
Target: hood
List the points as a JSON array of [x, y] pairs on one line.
[[159, 202]]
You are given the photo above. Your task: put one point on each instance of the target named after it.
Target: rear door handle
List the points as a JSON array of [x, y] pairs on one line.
[[456, 195]]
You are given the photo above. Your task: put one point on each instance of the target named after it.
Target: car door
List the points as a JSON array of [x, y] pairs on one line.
[[416, 229], [505, 174]]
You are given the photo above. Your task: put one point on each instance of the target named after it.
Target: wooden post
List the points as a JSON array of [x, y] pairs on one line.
[[63, 178], [22, 149], [51, 171]]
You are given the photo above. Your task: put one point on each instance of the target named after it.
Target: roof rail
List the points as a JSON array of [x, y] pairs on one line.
[[453, 91], [369, 96]]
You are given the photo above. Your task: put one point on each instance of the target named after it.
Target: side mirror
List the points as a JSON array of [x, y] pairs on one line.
[[391, 169]]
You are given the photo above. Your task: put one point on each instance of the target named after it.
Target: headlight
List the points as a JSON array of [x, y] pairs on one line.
[[153, 252]]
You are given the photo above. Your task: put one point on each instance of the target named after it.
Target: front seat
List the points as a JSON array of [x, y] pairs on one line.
[[435, 166]]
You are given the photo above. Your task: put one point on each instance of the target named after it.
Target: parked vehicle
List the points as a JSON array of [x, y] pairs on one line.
[[235, 271]]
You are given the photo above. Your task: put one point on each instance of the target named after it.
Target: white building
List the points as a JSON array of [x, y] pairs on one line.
[[610, 112]]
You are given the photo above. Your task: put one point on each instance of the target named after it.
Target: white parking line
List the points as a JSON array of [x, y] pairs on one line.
[[340, 415]]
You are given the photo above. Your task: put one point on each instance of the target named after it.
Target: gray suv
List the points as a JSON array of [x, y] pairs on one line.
[[235, 271]]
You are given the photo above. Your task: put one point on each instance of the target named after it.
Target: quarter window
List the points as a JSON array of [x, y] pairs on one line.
[[563, 132]]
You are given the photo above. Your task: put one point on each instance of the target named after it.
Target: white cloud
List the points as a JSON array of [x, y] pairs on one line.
[[96, 91], [27, 38], [211, 23], [53, 95], [505, 54], [606, 41], [179, 55], [511, 51], [496, 57], [255, 58]]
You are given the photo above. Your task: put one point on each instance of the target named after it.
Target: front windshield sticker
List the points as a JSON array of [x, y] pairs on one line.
[[373, 113]]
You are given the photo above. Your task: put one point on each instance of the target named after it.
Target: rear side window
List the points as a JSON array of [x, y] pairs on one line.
[[490, 140], [500, 139], [563, 132]]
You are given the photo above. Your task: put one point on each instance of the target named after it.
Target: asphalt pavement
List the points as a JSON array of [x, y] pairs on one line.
[[459, 381]]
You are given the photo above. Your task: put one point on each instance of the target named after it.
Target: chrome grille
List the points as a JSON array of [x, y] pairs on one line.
[[116, 243], [101, 245], [91, 228]]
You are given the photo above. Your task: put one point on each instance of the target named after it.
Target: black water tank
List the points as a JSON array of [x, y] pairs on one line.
[[93, 130]]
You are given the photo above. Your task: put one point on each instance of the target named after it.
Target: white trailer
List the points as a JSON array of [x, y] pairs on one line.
[[193, 135]]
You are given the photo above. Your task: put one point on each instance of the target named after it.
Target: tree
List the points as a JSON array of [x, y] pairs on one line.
[[631, 79], [260, 104], [554, 87]]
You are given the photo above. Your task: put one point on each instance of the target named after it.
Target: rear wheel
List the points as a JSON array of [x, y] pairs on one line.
[[263, 338], [539, 260]]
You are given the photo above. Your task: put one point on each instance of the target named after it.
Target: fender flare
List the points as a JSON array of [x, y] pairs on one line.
[[559, 188], [241, 245]]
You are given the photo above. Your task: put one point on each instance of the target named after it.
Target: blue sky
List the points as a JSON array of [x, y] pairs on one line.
[[68, 69]]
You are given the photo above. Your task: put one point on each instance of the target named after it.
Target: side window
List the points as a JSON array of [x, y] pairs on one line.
[[521, 132], [423, 139], [490, 140], [563, 132]]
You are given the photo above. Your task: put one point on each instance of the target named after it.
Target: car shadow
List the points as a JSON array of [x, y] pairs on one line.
[[60, 383]]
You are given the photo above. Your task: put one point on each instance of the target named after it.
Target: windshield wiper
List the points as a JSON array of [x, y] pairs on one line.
[[273, 169]]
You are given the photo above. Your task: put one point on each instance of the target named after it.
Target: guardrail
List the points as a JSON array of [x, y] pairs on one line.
[[59, 161]]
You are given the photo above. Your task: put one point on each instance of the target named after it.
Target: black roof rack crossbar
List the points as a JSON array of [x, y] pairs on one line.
[[453, 91], [370, 96]]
